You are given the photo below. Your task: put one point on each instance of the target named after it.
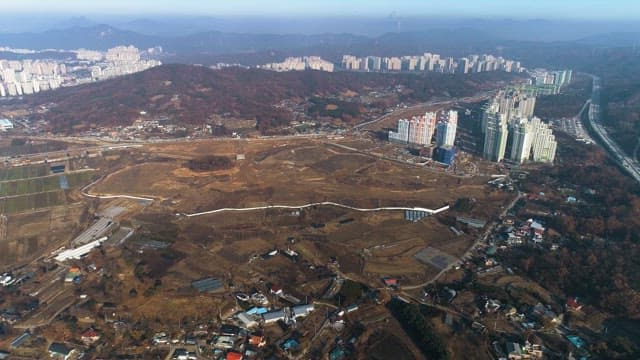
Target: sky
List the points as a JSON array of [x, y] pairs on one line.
[[547, 9]]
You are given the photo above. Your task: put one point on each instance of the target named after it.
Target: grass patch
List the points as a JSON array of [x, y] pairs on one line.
[[24, 172]]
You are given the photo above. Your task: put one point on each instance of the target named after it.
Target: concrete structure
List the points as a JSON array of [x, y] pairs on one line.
[[420, 129], [402, 135], [495, 137], [5, 125], [445, 154], [123, 54], [25, 77], [302, 310], [246, 320], [303, 63], [431, 62], [522, 139], [544, 143], [415, 215], [508, 121], [274, 316], [446, 128], [80, 252], [59, 351]]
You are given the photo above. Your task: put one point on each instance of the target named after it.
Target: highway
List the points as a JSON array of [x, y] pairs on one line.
[[629, 164]]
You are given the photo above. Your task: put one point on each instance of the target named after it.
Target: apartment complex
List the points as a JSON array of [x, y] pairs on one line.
[[24, 77], [430, 62], [420, 130], [509, 127], [300, 64]]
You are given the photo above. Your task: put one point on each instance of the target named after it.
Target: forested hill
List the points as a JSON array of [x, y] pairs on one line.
[[191, 94]]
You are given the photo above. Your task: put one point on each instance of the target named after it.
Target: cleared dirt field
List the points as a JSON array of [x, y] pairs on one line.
[[368, 246], [288, 174], [31, 234]]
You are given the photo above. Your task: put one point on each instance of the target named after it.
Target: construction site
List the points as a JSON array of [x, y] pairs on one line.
[[294, 219]]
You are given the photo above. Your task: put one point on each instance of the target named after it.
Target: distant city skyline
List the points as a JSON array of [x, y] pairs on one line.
[[549, 9]]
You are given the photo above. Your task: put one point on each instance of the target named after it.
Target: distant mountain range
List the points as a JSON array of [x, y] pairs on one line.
[[612, 39], [101, 37], [98, 37], [211, 47], [182, 39]]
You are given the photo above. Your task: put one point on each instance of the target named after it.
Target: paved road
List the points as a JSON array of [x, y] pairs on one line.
[[399, 111], [629, 164], [63, 153], [85, 192], [573, 126]]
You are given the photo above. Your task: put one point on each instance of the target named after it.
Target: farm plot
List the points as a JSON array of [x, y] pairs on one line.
[[32, 201], [24, 172], [44, 184], [29, 186]]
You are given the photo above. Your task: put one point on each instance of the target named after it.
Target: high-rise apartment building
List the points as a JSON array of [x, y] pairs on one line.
[[463, 65], [402, 135], [522, 139], [446, 128], [393, 64], [509, 119], [417, 131], [544, 143], [495, 137]]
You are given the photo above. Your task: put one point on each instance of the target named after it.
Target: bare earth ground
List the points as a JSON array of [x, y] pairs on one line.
[[368, 246]]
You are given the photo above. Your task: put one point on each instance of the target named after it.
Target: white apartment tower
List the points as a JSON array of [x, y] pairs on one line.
[[402, 135], [446, 128], [544, 143], [521, 141]]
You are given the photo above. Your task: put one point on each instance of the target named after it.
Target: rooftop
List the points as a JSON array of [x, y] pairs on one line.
[[59, 348], [207, 285]]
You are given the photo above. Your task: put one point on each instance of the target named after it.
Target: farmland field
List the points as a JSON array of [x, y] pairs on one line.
[[43, 184], [32, 201], [24, 172], [29, 186]]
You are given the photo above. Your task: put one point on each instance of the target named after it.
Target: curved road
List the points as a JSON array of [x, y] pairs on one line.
[[265, 207], [130, 197], [323, 203]]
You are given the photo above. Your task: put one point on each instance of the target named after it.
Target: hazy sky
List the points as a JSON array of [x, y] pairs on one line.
[[550, 9]]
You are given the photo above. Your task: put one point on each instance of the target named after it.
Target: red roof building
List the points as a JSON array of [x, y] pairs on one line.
[[90, 336], [257, 340], [573, 304], [232, 355], [390, 281]]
